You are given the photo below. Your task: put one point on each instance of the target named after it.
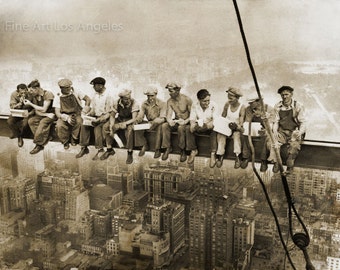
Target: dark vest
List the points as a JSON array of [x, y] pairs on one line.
[[124, 113], [41, 103], [69, 105], [287, 121]]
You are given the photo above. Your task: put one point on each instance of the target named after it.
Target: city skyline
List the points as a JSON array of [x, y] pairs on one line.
[[234, 194]]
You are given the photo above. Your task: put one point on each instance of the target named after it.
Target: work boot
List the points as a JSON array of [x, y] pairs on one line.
[[83, 151], [20, 141], [73, 141], [142, 151], [264, 166], [157, 153], [289, 170], [219, 161], [66, 145], [192, 156], [244, 163], [96, 156], [37, 149], [183, 156], [237, 163], [109, 152], [129, 159], [276, 168], [212, 162], [166, 153]]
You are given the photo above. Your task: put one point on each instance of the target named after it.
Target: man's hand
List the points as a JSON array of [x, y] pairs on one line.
[[122, 125], [71, 120], [64, 117], [240, 128], [86, 109], [101, 119], [95, 122], [181, 122], [112, 130], [210, 125], [172, 123], [27, 102], [296, 135], [193, 128], [158, 121]]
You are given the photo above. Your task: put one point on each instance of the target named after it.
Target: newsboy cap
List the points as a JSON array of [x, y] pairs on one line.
[[124, 93], [234, 91], [151, 91], [98, 80], [173, 86], [285, 87], [65, 83]]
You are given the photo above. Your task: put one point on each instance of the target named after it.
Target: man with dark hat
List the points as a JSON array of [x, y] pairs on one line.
[[154, 110], [178, 117], [40, 124], [18, 125], [101, 107], [234, 112], [68, 108], [122, 117], [289, 125]]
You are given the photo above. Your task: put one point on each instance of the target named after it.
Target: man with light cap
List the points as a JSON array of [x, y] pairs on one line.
[[154, 110], [177, 118], [40, 124], [289, 125], [68, 108], [122, 118], [254, 114], [101, 107], [234, 112]]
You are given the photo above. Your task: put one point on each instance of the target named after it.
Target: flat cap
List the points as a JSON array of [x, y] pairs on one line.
[[124, 93], [255, 104], [65, 83], [285, 87], [254, 98], [98, 80], [173, 86], [234, 91], [151, 91]]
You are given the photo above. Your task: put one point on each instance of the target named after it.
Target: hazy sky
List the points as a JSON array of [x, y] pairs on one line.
[[57, 27]]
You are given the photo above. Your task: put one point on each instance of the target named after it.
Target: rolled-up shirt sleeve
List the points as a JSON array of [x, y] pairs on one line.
[[13, 100], [135, 106]]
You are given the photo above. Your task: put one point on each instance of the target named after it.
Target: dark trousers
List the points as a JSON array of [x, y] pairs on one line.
[[191, 138], [128, 133], [65, 130], [85, 133], [166, 135], [140, 139], [264, 144], [17, 125], [40, 127]]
